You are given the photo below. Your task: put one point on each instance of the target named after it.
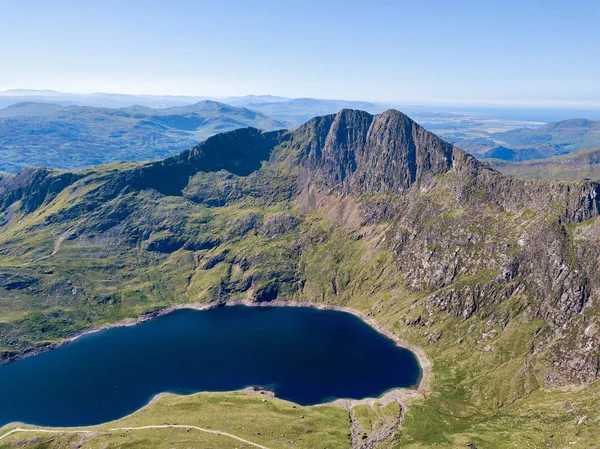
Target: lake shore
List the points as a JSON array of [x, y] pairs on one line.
[[422, 358]]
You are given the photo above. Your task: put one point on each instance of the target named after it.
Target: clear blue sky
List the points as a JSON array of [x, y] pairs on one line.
[[424, 51]]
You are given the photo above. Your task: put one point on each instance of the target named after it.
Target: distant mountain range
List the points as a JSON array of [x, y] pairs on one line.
[[107, 100], [552, 139], [70, 137], [297, 110], [71, 131], [253, 99], [300, 110], [583, 164], [80, 130]]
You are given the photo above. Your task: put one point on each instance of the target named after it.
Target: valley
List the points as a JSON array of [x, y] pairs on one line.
[[580, 165], [296, 225]]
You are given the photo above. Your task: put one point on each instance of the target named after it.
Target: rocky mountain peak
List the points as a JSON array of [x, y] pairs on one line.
[[361, 152]]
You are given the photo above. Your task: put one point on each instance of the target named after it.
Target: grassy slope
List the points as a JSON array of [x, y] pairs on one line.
[[474, 395], [469, 399], [272, 423]]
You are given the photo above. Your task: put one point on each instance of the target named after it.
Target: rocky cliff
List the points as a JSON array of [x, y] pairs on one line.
[[356, 152]]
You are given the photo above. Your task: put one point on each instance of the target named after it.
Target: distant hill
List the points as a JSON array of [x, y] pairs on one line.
[[253, 99], [46, 134], [299, 110], [212, 117], [560, 137], [549, 140], [510, 154], [583, 164], [29, 109]]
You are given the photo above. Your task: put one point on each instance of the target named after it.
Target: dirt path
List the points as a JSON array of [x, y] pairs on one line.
[[121, 429], [61, 238]]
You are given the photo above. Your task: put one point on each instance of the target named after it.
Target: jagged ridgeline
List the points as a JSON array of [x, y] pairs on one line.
[[496, 278]]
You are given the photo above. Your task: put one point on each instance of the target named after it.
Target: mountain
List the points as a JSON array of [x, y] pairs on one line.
[[30, 92], [296, 111], [46, 134], [521, 144], [248, 100], [299, 110], [29, 109], [494, 281], [583, 164], [99, 99]]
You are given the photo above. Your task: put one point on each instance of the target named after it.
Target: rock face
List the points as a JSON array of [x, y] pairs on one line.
[[12, 282], [232, 218], [33, 186], [355, 151]]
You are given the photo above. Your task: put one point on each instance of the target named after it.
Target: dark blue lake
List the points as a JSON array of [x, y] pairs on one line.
[[304, 355]]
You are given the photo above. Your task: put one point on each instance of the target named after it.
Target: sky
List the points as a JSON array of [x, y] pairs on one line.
[[526, 52]]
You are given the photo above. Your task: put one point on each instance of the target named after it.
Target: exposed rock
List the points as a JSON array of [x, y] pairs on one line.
[[213, 260], [16, 282], [278, 224], [166, 244], [355, 151], [33, 187]]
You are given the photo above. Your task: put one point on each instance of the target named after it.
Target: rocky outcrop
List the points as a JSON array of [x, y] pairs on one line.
[[16, 282], [354, 151], [33, 187]]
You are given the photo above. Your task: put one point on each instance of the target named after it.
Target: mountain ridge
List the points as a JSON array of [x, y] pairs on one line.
[[345, 152], [348, 138], [74, 137]]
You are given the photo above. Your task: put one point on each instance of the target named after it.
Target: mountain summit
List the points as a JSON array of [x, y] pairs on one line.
[[351, 151], [358, 151]]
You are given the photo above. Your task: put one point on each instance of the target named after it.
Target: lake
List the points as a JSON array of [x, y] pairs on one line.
[[304, 355]]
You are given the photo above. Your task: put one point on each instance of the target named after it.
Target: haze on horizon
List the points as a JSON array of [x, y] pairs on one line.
[[535, 53]]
